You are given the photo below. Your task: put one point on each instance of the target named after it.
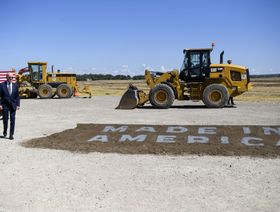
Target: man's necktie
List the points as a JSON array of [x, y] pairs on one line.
[[10, 88]]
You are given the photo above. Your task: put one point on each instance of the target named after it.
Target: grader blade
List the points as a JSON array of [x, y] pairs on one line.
[[129, 99], [85, 92]]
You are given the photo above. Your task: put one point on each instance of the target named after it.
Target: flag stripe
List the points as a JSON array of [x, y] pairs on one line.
[[3, 76]]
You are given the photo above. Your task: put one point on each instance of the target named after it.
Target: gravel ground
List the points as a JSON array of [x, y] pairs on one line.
[[54, 180]]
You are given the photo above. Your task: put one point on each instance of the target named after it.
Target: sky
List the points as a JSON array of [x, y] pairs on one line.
[[127, 36]]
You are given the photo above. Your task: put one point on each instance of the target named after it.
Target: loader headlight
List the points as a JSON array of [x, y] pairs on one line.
[[217, 69]]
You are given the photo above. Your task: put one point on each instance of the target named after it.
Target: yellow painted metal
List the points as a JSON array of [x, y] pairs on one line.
[[215, 96], [84, 92], [143, 98], [234, 87], [220, 74], [40, 76]]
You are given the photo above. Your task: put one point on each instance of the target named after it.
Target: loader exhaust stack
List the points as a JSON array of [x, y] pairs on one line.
[[222, 57]]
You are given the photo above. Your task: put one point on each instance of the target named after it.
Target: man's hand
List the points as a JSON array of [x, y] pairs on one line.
[[17, 107], [1, 108]]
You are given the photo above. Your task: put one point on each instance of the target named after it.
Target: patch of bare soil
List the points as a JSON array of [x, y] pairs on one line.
[[174, 140]]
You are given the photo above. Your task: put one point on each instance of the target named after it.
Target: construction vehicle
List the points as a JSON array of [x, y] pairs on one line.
[[34, 81], [197, 80]]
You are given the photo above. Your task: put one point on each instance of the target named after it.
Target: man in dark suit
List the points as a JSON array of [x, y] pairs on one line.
[[9, 104]]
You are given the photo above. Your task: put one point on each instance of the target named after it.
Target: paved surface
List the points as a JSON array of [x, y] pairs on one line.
[[54, 180]]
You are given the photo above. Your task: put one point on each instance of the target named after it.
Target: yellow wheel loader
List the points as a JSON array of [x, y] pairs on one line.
[[34, 81], [197, 80]]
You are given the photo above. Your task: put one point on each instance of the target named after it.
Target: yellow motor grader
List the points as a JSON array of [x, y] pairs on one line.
[[34, 81], [198, 79]]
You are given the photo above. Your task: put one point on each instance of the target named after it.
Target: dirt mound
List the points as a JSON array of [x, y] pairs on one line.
[[164, 139]]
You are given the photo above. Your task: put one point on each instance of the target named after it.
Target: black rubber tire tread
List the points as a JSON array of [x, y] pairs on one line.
[[60, 91], [45, 91], [221, 89], [169, 94], [33, 95]]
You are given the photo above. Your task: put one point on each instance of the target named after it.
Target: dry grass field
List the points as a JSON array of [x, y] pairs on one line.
[[264, 89], [113, 87]]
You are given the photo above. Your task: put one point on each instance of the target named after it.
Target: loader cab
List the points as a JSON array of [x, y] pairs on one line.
[[196, 65], [37, 71]]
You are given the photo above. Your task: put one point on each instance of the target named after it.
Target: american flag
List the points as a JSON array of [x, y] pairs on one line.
[[4, 73]]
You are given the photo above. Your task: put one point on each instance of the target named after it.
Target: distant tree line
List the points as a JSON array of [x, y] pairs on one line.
[[84, 77], [265, 75]]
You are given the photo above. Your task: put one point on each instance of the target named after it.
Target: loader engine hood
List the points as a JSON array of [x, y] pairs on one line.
[[213, 65]]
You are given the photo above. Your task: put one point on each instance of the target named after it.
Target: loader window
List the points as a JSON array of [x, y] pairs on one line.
[[195, 60], [185, 63], [235, 75], [196, 65], [205, 62]]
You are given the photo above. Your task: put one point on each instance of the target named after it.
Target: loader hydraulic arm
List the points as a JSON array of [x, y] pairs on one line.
[[153, 78], [149, 78]]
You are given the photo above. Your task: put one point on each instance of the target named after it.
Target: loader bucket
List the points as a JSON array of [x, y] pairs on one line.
[[129, 99]]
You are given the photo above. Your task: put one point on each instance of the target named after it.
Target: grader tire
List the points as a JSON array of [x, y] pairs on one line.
[[161, 96], [215, 96], [64, 91], [33, 95], [45, 91]]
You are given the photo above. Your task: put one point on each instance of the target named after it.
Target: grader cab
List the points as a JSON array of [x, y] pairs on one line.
[[35, 80], [198, 79]]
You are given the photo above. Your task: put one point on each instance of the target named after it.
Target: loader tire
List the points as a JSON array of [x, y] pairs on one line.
[[64, 91], [161, 96], [45, 91], [215, 96]]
